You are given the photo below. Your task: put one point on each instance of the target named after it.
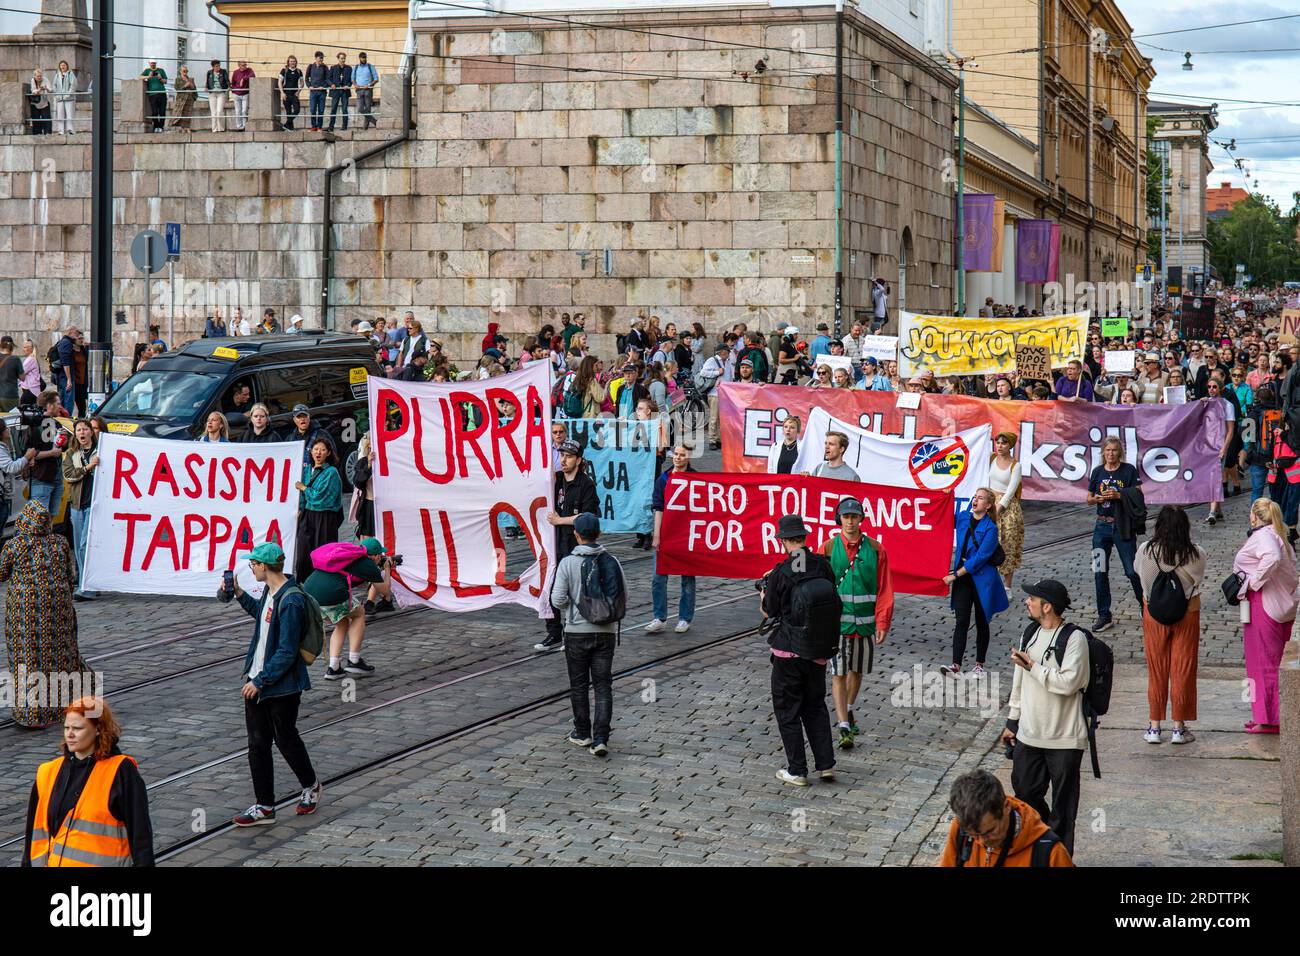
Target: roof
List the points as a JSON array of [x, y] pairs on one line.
[[263, 349], [1164, 106]]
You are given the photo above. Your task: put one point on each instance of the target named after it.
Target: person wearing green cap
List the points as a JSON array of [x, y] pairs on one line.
[[379, 597], [275, 675]]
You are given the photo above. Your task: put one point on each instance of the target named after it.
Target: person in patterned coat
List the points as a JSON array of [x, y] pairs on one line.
[[40, 623]]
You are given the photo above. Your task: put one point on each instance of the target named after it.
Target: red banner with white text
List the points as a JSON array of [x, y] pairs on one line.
[[724, 526]]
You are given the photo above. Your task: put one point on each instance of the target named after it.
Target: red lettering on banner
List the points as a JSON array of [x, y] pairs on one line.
[[130, 520], [536, 432], [284, 481], [431, 555], [534, 521], [232, 483], [273, 533], [164, 536], [162, 474], [446, 442], [384, 434], [470, 437], [122, 475], [503, 431], [263, 471], [196, 529], [212, 477], [195, 488], [219, 534], [511, 584], [453, 571]]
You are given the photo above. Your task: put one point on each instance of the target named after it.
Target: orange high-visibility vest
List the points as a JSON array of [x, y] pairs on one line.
[[90, 835]]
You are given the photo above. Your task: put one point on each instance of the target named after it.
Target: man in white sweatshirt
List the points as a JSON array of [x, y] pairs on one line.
[[1045, 719]]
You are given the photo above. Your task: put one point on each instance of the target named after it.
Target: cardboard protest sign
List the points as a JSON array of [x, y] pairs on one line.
[[718, 525], [1288, 327], [620, 457], [169, 517], [448, 462], [1034, 362]]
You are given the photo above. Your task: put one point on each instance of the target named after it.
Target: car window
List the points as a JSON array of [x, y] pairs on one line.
[[228, 403], [283, 388], [158, 394], [335, 389]]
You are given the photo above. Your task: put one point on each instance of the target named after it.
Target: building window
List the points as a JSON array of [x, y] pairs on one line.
[[180, 12], [182, 51], [907, 94], [934, 108], [875, 76]]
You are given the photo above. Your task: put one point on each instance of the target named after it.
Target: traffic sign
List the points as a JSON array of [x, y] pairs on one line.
[[149, 251], [173, 240]]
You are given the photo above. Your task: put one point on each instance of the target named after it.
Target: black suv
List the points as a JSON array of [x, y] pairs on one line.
[[172, 395]]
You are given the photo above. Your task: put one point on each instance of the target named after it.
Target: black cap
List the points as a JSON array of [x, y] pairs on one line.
[[570, 447], [1053, 592], [791, 526]]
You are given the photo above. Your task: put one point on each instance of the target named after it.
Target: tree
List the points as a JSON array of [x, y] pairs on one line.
[[1255, 234], [1157, 207]]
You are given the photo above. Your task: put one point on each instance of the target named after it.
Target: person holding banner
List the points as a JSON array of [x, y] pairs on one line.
[[79, 463], [866, 590], [821, 378], [259, 430], [837, 443], [1004, 480], [575, 494], [873, 380], [659, 586], [974, 579], [320, 512], [1105, 485], [781, 459], [216, 428], [840, 379]]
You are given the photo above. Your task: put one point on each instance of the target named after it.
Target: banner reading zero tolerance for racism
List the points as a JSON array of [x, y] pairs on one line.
[[959, 345], [1175, 447], [447, 463]]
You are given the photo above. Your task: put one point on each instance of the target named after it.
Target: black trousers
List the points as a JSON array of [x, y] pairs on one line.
[[799, 700], [1033, 769], [965, 598], [292, 107], [591, 664], [275, 719], [157, 110]]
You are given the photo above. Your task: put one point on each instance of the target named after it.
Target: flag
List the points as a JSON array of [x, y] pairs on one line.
[[999, 229], [1054, 254], [1033, 250], [978, 212]]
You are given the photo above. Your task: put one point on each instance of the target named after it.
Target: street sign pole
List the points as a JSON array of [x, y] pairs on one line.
[[99, 359]]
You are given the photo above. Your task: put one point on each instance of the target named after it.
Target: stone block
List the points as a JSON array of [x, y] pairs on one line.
[[489, 125], [766, 234], [626, 207], [546, 292], [484, 71], [595, 235], [515, 208], [540, 180], [811, 234], [465, 44], [577, 208], [622, 151], [541, 235], [730, 263], [568, 152], [795, 91], [209, 155], [467, 97], [706, 235], [651, 178], [731, 149], [801, 148], [675, 262], [787, 206], [708, 291], [514, 43], [653, 292], [677, 206], [708, 177], [234, 182], [488, 179], [458, 208], [442, 125], [727, 207], [817, 176], [592, 122], [678, 149], [437, 235], [652, 122], [542, 123], [517, 264], [650, 235], [730, 93], [704, 120], [761, 177], [463, 152], [623, 94], [490, 235], [773, 291], [437, 182], [464, 263], [596, 292], [568, 96]]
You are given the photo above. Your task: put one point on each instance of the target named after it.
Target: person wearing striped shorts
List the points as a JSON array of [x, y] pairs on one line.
[[866, 589]]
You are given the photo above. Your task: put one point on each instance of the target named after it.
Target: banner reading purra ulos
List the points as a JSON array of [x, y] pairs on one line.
[[724, 526], [449, 460], [169, 517], [961, 345]]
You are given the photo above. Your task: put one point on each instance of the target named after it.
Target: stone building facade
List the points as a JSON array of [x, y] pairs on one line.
[[612, 170]]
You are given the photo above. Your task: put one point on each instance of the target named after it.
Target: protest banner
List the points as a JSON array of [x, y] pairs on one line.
[[620, 457], [724, 526], [882, 348], [1117, 361], [834, 362], [442, 476], [1034, 362], [1196, 318], [1175, 448], [170, 517], [959, 463], [1288, 327], [961, 345]]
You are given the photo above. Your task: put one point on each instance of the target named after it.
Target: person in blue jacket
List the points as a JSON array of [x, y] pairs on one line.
[[974, 580]]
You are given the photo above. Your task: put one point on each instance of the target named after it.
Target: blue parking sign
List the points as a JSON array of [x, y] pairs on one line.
[[173, 240]]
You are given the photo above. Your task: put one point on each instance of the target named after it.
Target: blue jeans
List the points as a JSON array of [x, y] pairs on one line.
[[1103, 537], [1258, 482], [50, 495], [659, 598], [80, 522], [339, 98], [316, 107]]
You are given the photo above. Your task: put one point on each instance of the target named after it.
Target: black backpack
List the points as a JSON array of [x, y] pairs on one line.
[[1101, 676], [1040, 855], [813, 625], [52, 357], [603, 598], [1168, 601]]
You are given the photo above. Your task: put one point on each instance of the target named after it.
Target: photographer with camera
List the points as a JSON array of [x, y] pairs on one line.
[[379, 596], [49, 439], [799, 599], [990, 829]]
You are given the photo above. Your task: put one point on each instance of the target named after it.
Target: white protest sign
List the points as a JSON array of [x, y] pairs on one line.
[[908, 400], [883, 348], [1118, 361], [836, 361], [448, 464], [169, 517], [1175, 394]]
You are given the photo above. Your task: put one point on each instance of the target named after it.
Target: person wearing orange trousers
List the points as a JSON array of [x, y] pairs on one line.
[[1171, 647]]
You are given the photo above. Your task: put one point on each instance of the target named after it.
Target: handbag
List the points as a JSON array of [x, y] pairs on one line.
[[1232, 587]]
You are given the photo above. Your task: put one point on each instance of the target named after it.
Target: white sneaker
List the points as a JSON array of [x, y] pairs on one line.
[[682, 627], [785, 776], [655, 626], [1182, 736], [977, 671], [1152, 736]]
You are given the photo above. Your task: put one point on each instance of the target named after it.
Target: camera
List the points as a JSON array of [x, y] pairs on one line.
[[395, 561]]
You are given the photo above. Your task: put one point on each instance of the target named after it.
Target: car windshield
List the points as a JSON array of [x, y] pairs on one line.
[[158, 394]]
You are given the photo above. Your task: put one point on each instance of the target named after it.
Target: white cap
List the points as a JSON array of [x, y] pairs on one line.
[[296, 320], [790, 330], [365, 327]]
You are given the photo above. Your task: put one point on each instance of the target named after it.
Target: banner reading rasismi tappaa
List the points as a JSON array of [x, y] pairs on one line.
[[953, 345]]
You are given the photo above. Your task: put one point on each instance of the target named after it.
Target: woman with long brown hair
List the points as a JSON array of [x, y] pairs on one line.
[[587, 384]]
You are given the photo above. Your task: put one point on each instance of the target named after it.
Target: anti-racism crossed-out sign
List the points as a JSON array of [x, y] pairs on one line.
[[1175, 448], [170, 517], [620, 457], [447, 464], [960, 345], [724, 526]]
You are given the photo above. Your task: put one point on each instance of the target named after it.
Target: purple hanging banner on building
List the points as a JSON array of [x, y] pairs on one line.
[[1033, 250], [979, 211], [1054, 257]]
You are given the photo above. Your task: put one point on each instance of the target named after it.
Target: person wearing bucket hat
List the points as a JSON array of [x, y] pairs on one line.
[[575, 494], [866, 590], [275, 675], [803, 610]]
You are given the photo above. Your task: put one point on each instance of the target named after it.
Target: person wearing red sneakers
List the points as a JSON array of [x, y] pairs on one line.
[[275, 675]]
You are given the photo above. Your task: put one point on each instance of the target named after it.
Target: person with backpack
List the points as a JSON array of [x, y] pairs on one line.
[[1171, 569], [338, 566], [1046, 724], [799, 600], [275, 675], [320, 508], [591, 592], [990, 829], [1105, 490], [659, 585], [575, 494], [974, 579]]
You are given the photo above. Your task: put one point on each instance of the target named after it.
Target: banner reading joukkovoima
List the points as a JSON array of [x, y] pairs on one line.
[[169, 517], [958, 463], [620, 456], [724, 526], [451, 457], [961, 345]]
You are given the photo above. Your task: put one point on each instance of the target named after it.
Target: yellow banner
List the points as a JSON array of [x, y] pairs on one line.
[[955, 345]]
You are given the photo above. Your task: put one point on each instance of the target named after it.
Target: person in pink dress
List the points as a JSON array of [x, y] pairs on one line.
[[1269, 587]]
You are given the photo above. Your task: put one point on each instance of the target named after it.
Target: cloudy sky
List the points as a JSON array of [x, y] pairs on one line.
[[1243, 69]]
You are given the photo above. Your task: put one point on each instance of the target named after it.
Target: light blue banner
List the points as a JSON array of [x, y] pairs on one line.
[[620, 457]]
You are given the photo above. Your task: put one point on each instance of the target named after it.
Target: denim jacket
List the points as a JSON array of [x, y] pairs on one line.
[[284, 671]]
